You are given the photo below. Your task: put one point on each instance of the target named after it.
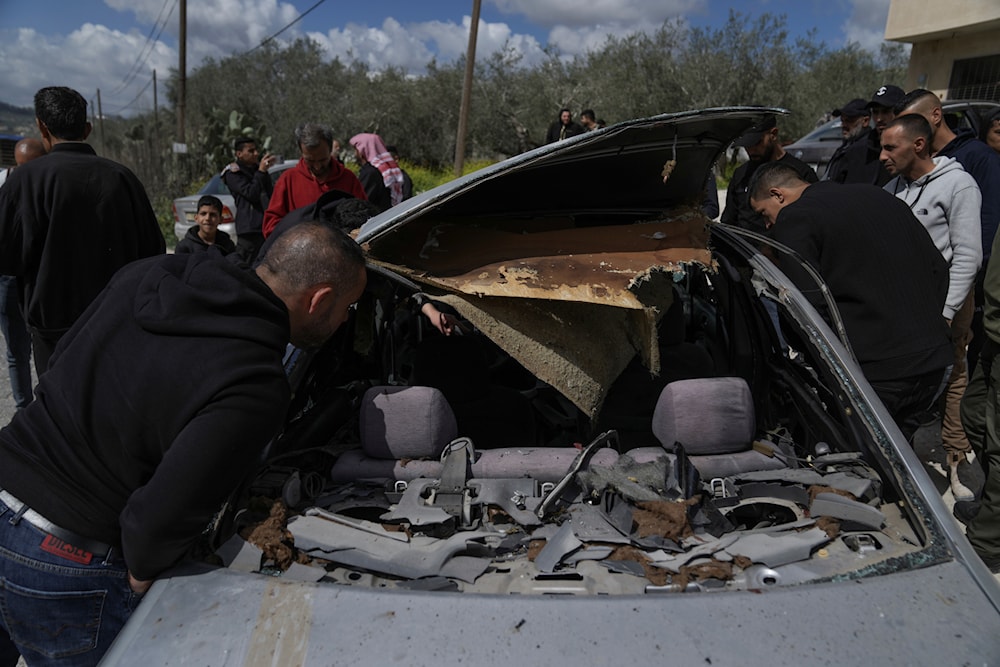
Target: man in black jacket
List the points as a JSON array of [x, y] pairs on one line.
[[68, 221], [249, 181], [156, 406], [887, 277], [762, 146], [858, 160]]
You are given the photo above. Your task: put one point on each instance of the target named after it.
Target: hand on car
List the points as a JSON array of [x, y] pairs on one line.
[[138, 586], [443, 322]]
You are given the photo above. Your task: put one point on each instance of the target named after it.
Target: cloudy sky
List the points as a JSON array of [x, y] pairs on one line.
[[114, 45]]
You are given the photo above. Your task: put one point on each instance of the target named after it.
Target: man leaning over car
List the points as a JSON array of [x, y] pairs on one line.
[[886, 276], [155, 407]]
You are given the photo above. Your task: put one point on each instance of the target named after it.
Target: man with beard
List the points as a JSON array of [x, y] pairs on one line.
[[859, 162], [317, 172], [762, 145], [855, 122], [563, 127]]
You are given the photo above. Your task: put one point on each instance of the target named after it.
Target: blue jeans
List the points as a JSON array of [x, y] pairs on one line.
[[54, 609], [15, 332]]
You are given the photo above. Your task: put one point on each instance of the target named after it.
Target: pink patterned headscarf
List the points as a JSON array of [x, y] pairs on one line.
[[370, 147]]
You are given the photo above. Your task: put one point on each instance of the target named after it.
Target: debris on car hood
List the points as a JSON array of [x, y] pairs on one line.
[[621, 525]]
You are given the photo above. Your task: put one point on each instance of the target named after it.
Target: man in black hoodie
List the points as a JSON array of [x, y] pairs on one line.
[[157, 404]]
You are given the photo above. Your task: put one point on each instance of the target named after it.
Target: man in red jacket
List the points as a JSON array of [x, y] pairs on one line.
[[317, 172]]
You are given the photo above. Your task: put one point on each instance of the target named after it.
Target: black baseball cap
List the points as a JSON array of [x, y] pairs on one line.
[[887, 96], [753, 136], [853, 109]]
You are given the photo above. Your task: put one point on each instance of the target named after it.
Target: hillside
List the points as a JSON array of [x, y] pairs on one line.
[[17, 120]]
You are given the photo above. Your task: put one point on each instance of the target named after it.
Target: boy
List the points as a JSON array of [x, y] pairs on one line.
[[206, 234]]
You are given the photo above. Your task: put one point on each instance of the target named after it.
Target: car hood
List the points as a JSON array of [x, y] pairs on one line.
[[591, 229]]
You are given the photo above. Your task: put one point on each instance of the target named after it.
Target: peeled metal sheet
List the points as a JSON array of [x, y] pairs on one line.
[[572, 304]]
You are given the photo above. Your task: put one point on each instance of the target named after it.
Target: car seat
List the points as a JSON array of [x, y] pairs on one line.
[[404, 431], [713, 420]]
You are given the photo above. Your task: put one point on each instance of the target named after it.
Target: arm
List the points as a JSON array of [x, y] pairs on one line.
[[11, 234], [208, 459], [279, 206], [984, 166], [797, 235], [965, 238], [251, 188], [730, 215], [710, 203]]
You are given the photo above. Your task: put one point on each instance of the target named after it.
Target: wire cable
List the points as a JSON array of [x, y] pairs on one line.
[[150, 44], [297, 19]]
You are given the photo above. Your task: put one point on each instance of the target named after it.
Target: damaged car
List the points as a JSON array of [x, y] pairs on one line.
[[640, 442]]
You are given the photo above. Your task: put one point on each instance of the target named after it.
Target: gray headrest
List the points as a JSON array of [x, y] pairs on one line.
[[406, 422], [705, 415]]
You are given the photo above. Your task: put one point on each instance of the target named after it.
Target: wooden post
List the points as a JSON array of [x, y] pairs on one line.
[[182, 72], [463, 113]]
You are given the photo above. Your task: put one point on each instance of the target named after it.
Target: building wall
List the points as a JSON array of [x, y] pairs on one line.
[[918, 20], [931, 62], [942, 33]]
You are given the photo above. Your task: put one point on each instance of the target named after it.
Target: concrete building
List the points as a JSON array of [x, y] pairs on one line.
[[956, 45]]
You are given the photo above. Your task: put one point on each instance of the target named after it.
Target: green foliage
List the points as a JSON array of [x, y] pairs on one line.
[[673, 68], [426, 178], [163, 207], [216, 137]]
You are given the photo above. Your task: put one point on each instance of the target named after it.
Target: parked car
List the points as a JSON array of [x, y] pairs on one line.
[[185, 207], [614, 460], [817, 147]]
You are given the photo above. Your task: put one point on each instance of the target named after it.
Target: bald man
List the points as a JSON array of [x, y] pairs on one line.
[[28, 149], [15, 331]]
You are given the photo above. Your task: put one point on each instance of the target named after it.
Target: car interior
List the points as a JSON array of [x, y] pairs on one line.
[[739, 461]]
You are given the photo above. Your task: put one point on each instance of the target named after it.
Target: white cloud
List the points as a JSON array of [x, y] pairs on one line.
[[412, 46], [90, 58], [389, 46], [577, 13], [866, 23]]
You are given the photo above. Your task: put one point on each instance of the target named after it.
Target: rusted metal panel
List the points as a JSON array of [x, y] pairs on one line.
[[602, 265]]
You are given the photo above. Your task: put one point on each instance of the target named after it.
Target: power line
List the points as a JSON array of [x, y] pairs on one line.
[[136, 98], [299, 18], [150, 44]]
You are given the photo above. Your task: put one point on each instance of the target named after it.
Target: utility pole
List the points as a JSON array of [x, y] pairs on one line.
[[182, 72], [100, 122], [463, 113], [156, 119]]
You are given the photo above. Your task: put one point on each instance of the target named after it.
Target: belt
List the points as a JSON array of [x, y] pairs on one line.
[[95, 548]]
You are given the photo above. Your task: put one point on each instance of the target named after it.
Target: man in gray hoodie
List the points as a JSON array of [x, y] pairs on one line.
[[947, 201]]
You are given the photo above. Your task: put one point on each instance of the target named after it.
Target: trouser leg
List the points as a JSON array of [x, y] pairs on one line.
[[952, 434], [18, 341], [984, 531]]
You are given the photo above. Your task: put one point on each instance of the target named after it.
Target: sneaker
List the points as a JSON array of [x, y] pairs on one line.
[[966, 510], [958, 490]]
